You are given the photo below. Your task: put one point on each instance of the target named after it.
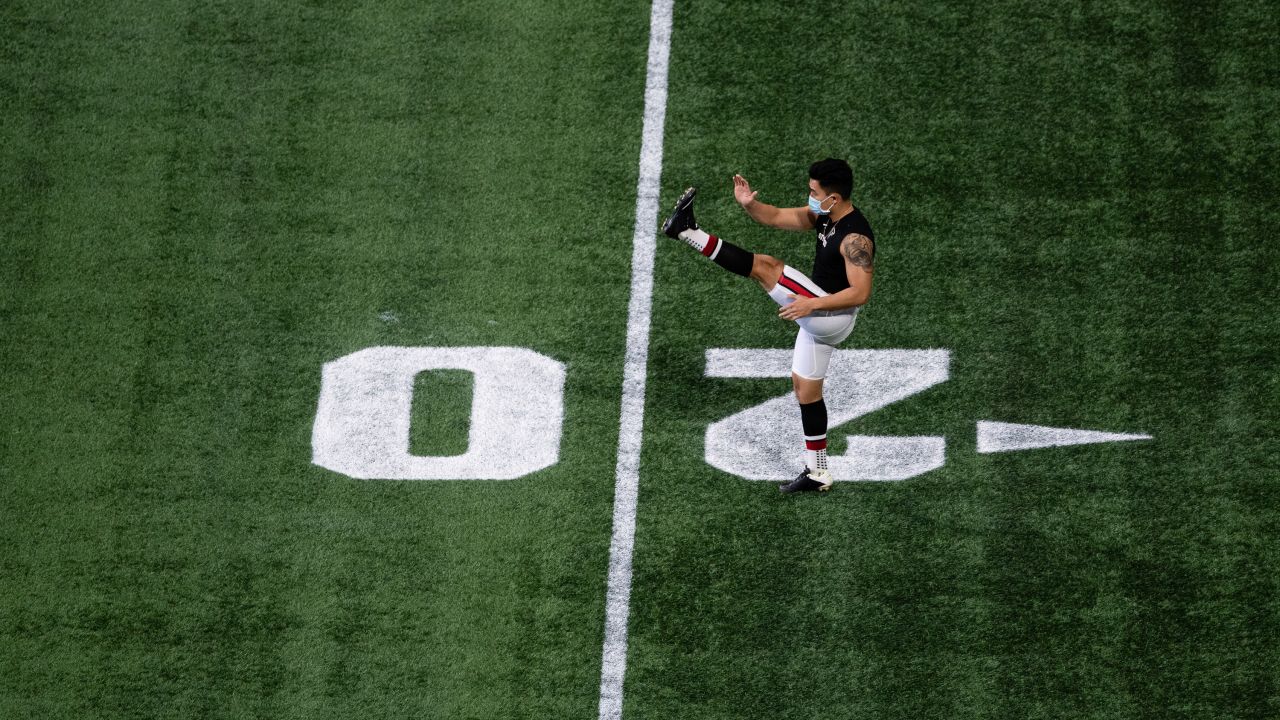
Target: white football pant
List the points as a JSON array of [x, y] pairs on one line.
[[819, 332]]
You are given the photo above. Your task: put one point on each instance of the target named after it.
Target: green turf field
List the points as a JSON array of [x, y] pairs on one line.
[[201, 204]]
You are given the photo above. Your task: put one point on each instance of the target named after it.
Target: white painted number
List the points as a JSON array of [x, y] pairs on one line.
[[765, 442], [362, 424], [517, 411]]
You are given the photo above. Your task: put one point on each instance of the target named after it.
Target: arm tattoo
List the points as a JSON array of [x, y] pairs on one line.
[[857, 250]]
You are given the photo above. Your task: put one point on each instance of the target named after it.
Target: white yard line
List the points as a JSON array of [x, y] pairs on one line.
[[613, 668]]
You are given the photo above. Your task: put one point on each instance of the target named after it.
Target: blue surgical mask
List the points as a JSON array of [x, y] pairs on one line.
[[815, 206]]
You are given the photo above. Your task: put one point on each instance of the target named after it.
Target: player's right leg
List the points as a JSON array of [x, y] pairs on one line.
[[682, 226], [766, 270]]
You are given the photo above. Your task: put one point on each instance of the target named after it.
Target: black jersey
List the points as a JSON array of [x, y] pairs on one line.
[[828, 263]]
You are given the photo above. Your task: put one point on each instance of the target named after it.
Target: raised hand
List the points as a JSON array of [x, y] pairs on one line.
[[742, 191]]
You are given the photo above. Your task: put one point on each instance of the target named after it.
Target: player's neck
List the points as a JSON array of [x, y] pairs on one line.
[[838, 212]]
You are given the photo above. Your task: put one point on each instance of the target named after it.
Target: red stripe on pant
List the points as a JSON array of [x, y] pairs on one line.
[[713, 242], [794, 286], [815, 444]]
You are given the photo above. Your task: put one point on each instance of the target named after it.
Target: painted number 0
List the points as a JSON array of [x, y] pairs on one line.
[[362, 423]]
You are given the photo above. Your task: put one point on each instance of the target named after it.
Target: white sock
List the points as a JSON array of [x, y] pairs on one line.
[[696, 238], [816, 460]]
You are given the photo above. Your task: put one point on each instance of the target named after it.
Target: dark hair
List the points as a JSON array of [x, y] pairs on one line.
[[835, 176]]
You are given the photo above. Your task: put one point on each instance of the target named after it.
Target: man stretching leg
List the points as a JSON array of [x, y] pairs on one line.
[[824, 304]]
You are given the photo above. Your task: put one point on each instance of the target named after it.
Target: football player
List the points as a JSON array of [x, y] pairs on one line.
[[824, 303]]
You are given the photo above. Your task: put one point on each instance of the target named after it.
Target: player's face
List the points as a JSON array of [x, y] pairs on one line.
[[824, 198]]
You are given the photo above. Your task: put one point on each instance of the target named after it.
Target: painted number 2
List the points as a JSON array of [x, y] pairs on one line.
[[760, 443]]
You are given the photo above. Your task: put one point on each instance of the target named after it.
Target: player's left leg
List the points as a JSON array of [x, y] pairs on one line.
[[808, 370], [813, 418], [815, 344]]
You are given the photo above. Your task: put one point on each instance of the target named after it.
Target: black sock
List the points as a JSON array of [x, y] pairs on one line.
[[725, 254], [813, 416], [733, 258]]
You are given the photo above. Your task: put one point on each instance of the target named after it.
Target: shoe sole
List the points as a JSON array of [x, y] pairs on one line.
[[685, 200], [820, 488]]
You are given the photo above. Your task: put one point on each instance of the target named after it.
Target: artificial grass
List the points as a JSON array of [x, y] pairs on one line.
[[203, 203], [1076, 202], [215, 199]]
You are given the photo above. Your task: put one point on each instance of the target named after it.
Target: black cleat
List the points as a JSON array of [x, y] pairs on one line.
[[682, 216], [810, 480]]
